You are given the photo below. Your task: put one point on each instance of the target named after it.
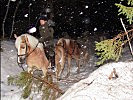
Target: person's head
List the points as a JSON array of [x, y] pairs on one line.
[[43, 20]]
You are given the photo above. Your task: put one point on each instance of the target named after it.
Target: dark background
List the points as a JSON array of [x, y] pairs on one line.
[[71, 16]]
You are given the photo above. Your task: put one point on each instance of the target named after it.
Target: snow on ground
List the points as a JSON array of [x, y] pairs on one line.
[[98, 86], [9, 67]]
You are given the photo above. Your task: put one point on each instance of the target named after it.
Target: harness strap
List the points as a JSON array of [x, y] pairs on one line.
[[20, 64], [32, 50]]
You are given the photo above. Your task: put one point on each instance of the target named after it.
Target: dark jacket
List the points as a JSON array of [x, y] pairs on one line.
[[46, 32]]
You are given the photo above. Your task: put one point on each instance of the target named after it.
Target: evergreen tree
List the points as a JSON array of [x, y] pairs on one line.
[[111, 49]]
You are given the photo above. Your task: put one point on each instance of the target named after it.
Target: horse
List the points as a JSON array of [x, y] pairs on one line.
[[29, 49], [72, 49]]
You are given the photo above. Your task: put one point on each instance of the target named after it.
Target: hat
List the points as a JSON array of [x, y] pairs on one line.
[[43, 17]]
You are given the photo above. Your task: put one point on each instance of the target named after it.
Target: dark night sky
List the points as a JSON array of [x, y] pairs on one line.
[[72, 16]]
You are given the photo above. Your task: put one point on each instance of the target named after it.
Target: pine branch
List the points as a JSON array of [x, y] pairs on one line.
[[130, 2], [53, 86], [112, 48], [127, 11], [27, 81]]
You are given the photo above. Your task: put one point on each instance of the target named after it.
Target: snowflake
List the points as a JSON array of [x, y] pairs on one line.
[[72, 12], [95, 12], [30, 4], [13, 0], [98, 3], [11, 50], [71, 16], [8, 76], [60, 14], [95, 29], [26, 15], [86, 6], [81, 13]]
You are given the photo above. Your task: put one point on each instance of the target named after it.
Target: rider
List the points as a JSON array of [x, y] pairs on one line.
[[46, 31]]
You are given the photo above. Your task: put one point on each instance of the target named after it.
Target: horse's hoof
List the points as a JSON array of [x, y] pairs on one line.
[[58, 79], [78, 71]]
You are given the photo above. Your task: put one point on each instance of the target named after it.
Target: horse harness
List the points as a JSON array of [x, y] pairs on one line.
[[26, 55]]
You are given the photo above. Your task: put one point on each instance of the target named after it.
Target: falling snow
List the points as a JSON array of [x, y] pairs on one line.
[[86, 6], [13, 0], [95, 29], [26, 15], [81, 13], [71, 15]]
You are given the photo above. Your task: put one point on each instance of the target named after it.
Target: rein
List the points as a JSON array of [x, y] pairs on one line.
[[26, 54], [32, 50]]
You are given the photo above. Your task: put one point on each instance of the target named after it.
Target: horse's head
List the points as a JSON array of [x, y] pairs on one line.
[[22, 45]]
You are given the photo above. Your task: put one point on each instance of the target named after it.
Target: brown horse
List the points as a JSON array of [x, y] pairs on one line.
[[32, 51], [72, 49]]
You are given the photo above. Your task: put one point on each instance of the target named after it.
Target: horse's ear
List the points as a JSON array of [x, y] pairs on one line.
[[15, 36], [26, 39]]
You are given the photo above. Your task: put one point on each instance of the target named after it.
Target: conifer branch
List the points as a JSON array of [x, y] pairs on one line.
[[50, 85]]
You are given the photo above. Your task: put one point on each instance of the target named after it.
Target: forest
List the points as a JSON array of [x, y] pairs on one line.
[[103, 29]]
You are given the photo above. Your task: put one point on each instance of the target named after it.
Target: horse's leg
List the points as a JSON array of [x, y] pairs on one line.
[[58, 71], [44, 71], [78, 63], [69, 65], [86, 56], [62, 67]]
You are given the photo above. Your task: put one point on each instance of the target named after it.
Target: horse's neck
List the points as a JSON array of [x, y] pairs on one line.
[[37, 51]]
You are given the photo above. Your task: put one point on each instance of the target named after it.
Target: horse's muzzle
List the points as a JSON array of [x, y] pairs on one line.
[[21, 60]]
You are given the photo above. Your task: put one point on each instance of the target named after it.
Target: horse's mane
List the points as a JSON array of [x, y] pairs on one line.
[[32, 40]]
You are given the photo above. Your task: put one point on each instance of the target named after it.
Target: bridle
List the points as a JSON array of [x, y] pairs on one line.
[[26, 55]]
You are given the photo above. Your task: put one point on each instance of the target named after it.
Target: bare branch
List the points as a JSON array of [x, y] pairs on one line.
[[127, 36], [3, 25], [14, 18]]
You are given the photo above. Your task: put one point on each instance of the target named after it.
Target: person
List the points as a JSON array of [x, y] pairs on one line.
[[46, 32]]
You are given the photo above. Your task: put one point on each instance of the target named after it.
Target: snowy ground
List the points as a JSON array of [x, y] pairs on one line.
[[9, 67], [98, 86]]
